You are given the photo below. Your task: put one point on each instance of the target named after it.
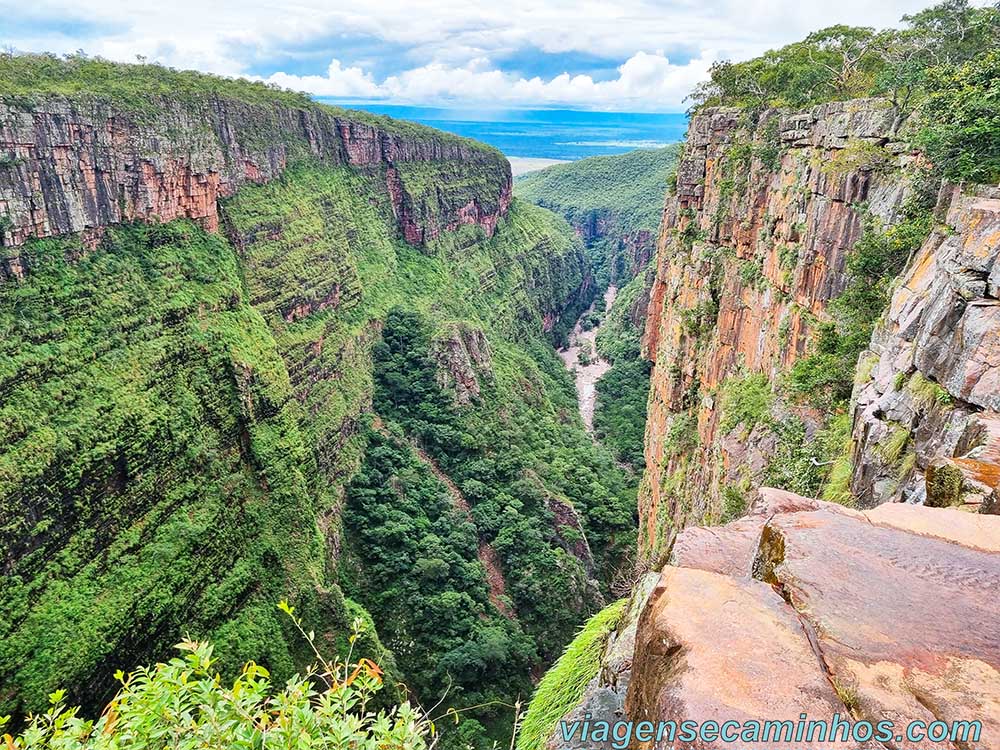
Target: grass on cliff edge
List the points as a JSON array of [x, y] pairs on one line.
[[561, 689], [142, 89]]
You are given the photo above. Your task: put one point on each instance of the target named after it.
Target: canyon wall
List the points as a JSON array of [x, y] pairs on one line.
[[194, 296], [80, 165], [925, 423], [752, 250]]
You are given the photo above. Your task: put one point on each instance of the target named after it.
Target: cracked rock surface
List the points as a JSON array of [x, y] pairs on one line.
[[802, 606]]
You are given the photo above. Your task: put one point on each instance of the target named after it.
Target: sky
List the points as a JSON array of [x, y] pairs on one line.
[[628, 55]]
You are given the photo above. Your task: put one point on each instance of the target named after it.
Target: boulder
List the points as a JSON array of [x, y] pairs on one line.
[[713, 647]]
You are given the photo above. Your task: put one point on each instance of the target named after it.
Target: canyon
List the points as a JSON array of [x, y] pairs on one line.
[[260, 351], [757, 603], [263, 350], [588, 370]]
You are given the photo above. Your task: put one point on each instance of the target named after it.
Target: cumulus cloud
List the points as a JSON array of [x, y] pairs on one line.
[[440, 49], [341, 82], [644, 81]]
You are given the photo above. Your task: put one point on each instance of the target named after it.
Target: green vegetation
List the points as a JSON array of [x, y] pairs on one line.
[[620, 411], [945, 486], [153, 470], [415, 566], [845, 62], [805, 464], [518, 452], [630, 186], [746, 400], [734, 501], [927, 394], [181, 421], [615, 202], [893, 447], [183, 704], [962, 124], [826, 377], [944, 64], [562, 687]]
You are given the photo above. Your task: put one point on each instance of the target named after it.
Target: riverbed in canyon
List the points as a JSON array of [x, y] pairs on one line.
[[587, 375]]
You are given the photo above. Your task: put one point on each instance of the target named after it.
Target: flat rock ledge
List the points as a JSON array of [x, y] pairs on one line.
[[804, 607]]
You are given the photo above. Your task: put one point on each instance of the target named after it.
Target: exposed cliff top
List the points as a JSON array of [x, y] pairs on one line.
[[85, 144], [817, 640], [27, 80]]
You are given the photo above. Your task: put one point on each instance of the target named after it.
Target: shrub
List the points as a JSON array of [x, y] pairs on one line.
[[961, 134], [183, 704], [745, 401]]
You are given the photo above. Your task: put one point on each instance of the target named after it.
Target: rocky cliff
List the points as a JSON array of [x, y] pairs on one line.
[[925, 422], [752, 250], [770, 619], [772, 616], [195, 294], [752, 261], [80, 165]]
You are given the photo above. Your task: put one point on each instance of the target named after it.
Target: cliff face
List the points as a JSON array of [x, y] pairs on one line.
[[751, 252], [194, 299], [75, 167], [929, 385]]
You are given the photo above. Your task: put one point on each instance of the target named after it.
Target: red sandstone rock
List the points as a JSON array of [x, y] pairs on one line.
[[81, 167], [712, 647], [731, 549], [768, 255], [906, 623]]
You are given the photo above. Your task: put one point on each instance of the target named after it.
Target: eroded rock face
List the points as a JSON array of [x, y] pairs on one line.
[[731, 549], [935, 369], [464, 359], [752, 250], [889, 614], [76, 167]]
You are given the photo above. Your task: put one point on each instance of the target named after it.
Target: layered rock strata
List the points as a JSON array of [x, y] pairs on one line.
[[77, 166], [752, 249], [931, 375]]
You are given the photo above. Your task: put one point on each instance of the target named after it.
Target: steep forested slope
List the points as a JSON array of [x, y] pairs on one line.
[[198, 278], [613, 202]]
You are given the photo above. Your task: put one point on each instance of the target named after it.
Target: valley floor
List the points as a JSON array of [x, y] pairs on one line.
[[587, 375]]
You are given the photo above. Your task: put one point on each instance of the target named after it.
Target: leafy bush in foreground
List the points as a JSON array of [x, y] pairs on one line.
[[184, 705]]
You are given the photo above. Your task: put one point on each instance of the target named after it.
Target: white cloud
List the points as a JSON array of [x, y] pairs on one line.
[[339, 81], [645, 81], [441, 48]]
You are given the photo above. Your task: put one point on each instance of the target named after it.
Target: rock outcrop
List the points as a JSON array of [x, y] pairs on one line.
[[752, 249], [77, 166], [933, 382], [788, 624]]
